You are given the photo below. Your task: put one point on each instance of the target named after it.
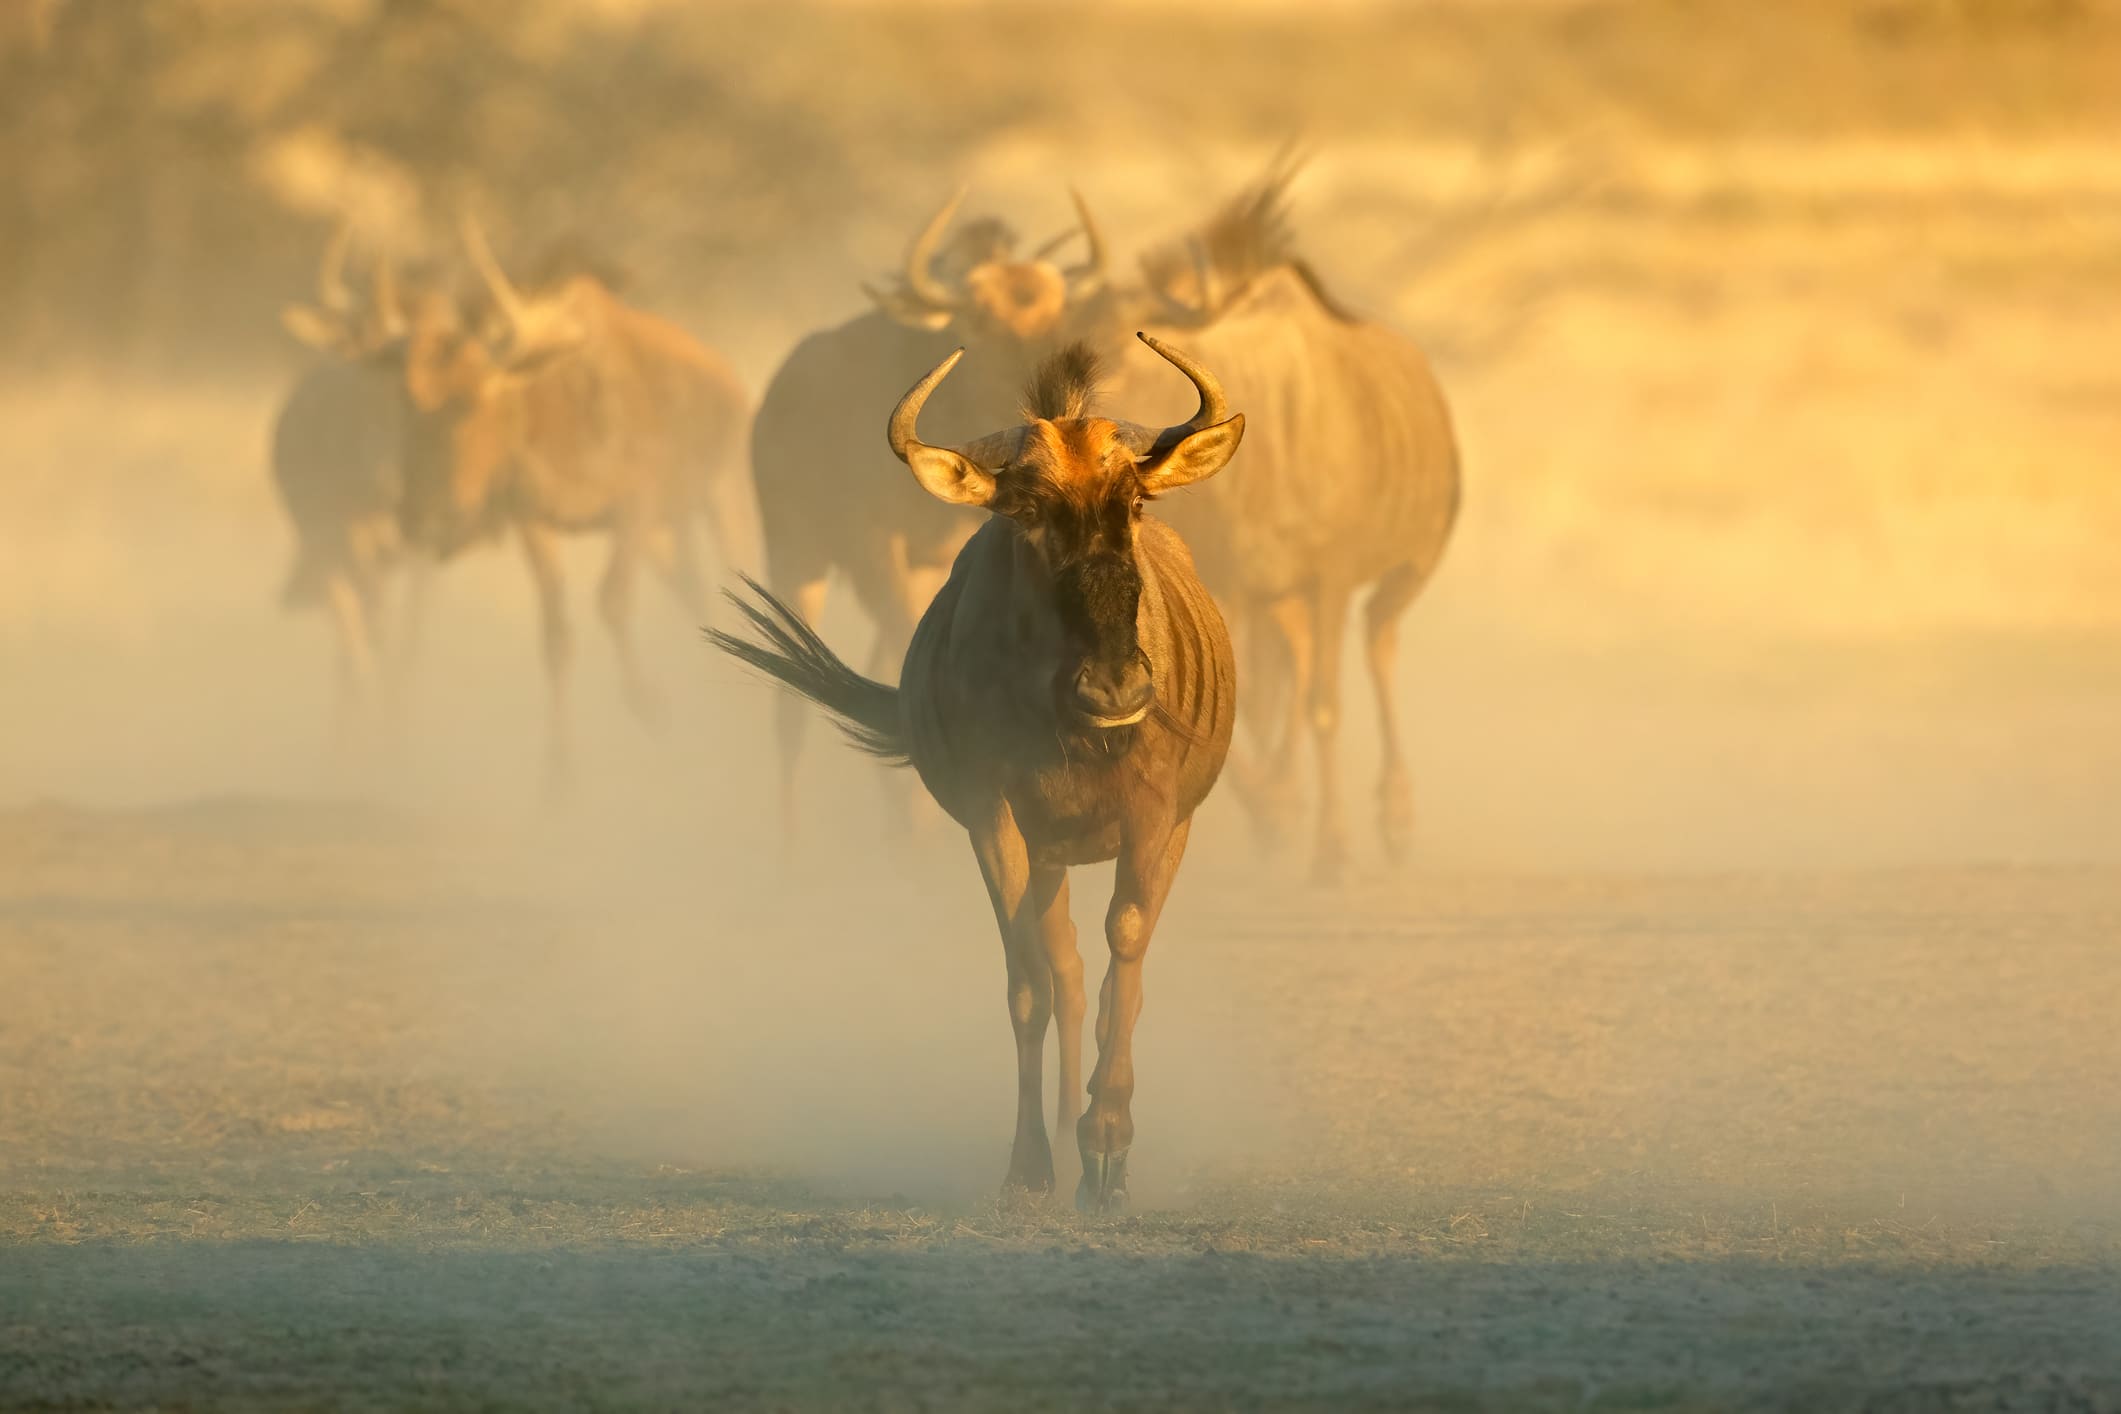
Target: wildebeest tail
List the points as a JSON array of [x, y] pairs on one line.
[[789, 651]]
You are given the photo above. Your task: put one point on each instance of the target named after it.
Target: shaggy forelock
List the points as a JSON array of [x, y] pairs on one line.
[[1065, 386]]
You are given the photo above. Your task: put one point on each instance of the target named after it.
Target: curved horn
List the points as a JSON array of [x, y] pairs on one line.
[[496, 280], [944, 472], [1192, 450], [1213, 408], [1092, 270], [920, 280], [905, 439], [332, 292]]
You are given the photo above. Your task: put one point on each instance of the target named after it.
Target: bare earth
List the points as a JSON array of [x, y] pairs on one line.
[[308, 1105]]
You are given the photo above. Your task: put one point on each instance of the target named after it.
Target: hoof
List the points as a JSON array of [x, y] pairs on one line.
[[1032, 1182], [1030, 1167], [1022, 1193], [1103, 1190]]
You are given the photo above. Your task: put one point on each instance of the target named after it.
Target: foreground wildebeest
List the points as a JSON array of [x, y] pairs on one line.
[[1068, 697], [824, 502], [1351, 481], [590, 416], [337, 442]]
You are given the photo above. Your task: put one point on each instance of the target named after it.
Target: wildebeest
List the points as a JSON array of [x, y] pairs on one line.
[[591, 415], [825, 499], [1350, 481], [1068, 697], [337, 443]]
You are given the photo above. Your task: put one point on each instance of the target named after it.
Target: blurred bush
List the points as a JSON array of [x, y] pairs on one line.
[[172, 165]]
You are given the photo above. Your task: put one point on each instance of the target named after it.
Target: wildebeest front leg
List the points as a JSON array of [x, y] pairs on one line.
[[615, 600], [1021, 897], [543, 555], [1064, 963], [913, 586], [1148, 862]]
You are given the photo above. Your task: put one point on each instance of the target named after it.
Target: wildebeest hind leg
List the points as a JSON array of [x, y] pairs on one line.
[[791, 714], [733, 517], [1330, 627], [355, 651], [1395, 793], [1288, 621], [677, 562]]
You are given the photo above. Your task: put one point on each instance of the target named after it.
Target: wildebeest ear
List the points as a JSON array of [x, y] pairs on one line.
[[318, 328], [948, 476], [1195, 457]]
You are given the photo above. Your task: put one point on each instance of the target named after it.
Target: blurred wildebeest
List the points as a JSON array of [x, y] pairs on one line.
[[1350, 481], [585, 415], [337, 444], [1068, 697], [827, 501]]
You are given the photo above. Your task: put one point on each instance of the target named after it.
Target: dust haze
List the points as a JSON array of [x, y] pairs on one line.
[[1765, 720]]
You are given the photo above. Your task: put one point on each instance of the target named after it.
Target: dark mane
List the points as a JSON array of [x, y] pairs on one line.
[[1065, 385], [1248, 237], [981, 238]]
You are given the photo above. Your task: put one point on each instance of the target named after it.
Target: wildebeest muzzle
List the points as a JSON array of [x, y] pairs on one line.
[[1109, 685]]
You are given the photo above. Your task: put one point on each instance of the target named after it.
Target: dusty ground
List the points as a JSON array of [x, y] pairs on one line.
[[322, 1105]]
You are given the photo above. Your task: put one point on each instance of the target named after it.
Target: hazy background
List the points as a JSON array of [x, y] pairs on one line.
[[1782, 342]]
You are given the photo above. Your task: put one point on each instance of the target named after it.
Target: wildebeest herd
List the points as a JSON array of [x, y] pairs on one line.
[[1067, 688]]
